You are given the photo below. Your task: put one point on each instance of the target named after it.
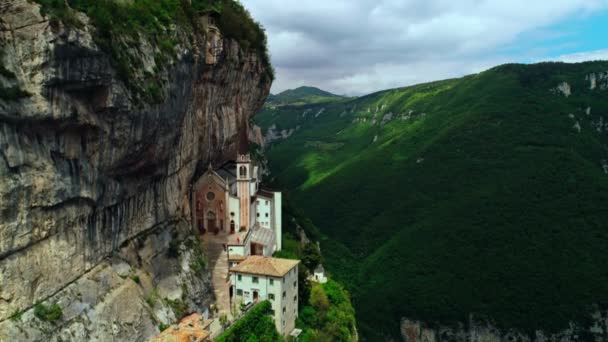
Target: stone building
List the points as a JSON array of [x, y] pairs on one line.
[[259, 278]]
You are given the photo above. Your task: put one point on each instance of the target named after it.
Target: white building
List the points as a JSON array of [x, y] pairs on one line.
[[319, 275], [259, 278]]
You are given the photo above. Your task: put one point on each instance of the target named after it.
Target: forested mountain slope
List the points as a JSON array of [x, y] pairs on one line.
[[482, 195]]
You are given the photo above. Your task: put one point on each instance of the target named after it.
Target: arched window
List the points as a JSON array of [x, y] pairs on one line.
[[243, 171]]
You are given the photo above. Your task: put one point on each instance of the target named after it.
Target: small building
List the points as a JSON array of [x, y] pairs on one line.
[[192, 328], [259, 278], [318, 275]]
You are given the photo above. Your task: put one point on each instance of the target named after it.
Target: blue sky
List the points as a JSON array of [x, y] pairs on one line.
[[580, 34], [356, 47]]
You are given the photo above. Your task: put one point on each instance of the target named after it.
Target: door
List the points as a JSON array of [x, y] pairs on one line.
[[257, 249], [211, 222], [255, 295]]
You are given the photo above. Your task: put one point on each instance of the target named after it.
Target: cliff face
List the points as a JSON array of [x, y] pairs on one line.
[[94, 185]]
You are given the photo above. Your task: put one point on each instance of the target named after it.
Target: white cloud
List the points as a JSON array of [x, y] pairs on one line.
[[359, 46], [584, 56]]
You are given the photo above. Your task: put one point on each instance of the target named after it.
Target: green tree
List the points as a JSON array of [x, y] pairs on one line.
[[319, 300], [311, 256]]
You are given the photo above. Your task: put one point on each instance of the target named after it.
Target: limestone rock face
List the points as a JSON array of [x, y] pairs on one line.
[[85, 168]]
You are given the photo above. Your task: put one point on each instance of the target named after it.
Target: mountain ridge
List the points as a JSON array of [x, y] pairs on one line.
[[302, 94]]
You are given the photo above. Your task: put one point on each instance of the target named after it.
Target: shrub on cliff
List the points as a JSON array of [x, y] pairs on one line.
[[330, 316], [256, 325], [50, 313]]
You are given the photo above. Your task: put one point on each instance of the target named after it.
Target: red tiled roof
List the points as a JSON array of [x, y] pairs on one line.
[[192, 328], [256, 264]]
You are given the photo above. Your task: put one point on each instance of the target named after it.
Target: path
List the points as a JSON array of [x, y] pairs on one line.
[[213, 245]]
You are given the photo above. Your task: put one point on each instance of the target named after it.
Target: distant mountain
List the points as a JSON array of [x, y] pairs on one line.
[[302, 95], [482, 195]]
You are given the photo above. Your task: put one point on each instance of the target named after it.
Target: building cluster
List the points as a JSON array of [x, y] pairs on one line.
[[231, 200]]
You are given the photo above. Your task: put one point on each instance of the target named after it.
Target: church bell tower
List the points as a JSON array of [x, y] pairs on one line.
[[243, 177]]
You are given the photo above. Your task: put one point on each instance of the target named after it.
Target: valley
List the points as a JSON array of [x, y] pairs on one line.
[[479, 196]]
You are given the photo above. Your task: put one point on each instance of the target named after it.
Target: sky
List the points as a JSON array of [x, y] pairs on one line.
[[355, 47]]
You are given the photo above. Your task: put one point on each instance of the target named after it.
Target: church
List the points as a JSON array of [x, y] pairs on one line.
[[231, 200]]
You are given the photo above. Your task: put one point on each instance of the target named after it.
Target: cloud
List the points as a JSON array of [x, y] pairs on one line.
[[584, 56], [359, 46]]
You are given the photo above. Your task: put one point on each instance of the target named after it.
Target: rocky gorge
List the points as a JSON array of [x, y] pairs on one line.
[[94, 184]]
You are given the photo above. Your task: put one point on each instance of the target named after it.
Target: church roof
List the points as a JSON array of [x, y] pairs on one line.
[[265, 193], [260, 265], [319, 269]]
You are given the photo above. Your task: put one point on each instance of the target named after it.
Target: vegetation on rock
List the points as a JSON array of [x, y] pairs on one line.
[[325, 310], [125, 27], [328, 316], [255, 325], [472, 195], [48, 313]]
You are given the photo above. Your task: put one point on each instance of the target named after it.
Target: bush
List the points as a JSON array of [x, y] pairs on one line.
[[178, 306], [256, 325], [49, 313], [198, 264], [152, 297], [311, 256], [16, 316], [330, 315]]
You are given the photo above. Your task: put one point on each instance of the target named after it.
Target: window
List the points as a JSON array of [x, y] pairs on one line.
[[210, 196], [271, 282], [258, 214], [255, 280], [232, 213], [272, 312], [239, 278], [266, 214], [243, 171], [284, 310], [266, 202], [284, 294], [239, 292], [271, 296], [295, 298], [295, 284]]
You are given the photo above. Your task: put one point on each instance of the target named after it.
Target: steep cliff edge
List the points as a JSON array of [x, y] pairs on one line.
[[94, 183]]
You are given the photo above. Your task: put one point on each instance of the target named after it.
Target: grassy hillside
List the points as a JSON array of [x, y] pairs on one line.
[[301, 95], [485, 195]]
